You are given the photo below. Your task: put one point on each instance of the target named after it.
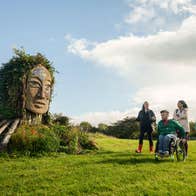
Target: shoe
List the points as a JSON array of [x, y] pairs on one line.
[[151, 150], [139, 149], [156, 157], [166, 153]]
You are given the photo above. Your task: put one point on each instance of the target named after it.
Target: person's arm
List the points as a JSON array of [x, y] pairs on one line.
[[158, 130], [153, 117], [138, 117], [175, 116], [184, 115], [180, 129]]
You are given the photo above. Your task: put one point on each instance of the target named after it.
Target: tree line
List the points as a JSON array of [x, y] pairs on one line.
[[127, 128]]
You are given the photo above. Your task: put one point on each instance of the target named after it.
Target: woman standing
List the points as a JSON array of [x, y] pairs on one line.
[[146, 117], [181, 115]]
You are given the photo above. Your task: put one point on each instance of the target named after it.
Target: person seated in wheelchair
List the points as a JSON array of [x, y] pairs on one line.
[[168, 129]]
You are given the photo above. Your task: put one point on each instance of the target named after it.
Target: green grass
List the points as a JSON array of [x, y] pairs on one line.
[[114, 170]]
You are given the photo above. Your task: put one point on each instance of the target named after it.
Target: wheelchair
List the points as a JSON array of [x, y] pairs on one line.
[[176, 150]]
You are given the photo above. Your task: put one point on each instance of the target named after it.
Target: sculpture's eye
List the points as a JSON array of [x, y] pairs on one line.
[[48, 87], [34, 84]]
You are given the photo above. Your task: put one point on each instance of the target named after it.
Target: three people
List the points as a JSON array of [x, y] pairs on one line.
[[146, 118], [167, 128]]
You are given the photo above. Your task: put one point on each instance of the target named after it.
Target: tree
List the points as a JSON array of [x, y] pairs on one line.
[[126, 128], [85, 126], [102, 127], [192, 126], [61, 119]]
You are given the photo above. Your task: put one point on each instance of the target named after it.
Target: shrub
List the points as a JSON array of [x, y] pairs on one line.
[[193, 134], [72, 140], [62, 133], [86, 142], [33, 140], [73, 145]]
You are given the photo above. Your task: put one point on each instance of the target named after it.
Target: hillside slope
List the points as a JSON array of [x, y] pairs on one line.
[[114, 170]]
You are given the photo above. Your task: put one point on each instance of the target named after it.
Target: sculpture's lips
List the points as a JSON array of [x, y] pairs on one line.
[[40, 103]]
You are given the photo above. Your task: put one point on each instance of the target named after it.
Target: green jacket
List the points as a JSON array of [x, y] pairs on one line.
[[170, 128]]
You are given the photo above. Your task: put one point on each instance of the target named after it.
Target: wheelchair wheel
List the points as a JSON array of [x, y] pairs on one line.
[[172, 147], [156, 157], [180, 151]]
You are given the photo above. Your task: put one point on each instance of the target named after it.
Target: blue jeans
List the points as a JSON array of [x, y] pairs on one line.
[[164, 141]]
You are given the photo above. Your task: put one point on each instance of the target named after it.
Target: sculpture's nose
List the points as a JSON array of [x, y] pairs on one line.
[[42, 93]]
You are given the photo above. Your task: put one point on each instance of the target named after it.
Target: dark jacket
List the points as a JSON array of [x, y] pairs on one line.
[[146, 118]]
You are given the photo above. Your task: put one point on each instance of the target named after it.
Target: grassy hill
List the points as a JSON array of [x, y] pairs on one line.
[[114, 170]]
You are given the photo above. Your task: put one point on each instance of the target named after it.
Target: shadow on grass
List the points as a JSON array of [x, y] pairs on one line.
[[126, 158]]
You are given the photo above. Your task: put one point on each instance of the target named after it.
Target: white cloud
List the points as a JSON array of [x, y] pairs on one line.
[[128, 54], [140, 14], [150, 16], [190, 9], [175, 6], [162, 66], [103, 117], [100, 117]]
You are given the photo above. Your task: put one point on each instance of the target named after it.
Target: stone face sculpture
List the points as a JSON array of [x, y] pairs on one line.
[[37, 93], [26, 84]]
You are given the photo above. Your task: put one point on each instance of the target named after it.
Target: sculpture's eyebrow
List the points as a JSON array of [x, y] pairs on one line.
[[49, 81], [35, 77]]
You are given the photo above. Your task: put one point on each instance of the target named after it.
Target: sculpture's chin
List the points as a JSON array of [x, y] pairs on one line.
[[38, 110]]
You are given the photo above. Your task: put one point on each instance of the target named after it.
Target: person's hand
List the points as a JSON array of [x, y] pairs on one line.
[[184, 140], [133, 119]]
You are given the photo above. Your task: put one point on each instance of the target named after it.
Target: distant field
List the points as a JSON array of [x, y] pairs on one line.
[[114, 170]]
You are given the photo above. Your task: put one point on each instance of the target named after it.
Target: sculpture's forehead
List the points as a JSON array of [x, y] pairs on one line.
[[41, 72]]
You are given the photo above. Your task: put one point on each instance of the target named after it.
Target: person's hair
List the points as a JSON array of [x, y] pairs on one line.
[[183, 104], [143, 109], [13, 76]]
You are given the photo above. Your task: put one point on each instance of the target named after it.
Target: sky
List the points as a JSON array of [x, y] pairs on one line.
[[111, 56]]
